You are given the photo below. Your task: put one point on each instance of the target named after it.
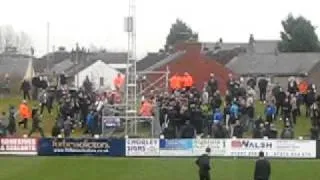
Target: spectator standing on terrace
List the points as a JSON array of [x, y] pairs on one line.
[[187, 81], [262, 169], [118, 82], [212, 85], [25, 88], [263, 84], [203, 162], [175, 83]]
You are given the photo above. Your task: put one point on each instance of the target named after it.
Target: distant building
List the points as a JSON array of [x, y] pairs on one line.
[[229, 50], [187, 58], [278, 66], [14, 64], [98, 72]]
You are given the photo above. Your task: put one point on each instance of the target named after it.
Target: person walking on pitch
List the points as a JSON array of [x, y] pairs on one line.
[[203, 162]]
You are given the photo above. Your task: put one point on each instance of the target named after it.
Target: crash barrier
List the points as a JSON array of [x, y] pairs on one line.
[[160, 147]]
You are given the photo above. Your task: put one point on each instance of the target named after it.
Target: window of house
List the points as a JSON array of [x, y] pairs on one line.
[[101, 81]]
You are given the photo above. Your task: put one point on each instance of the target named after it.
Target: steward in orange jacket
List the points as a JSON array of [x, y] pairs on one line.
[[25, 114], [146, 108], [303, 87], [118, 82], [187, 81], [175, 82]]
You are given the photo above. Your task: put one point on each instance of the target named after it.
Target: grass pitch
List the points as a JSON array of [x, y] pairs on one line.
[[84, 168]]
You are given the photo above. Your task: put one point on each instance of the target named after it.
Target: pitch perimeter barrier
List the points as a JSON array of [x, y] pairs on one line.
[[221, 147], [83, 146], [303, 149], [18, 146]]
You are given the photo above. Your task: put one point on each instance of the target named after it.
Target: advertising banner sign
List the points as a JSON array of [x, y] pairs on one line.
[[176, 147], [98, 147], [217, 146], [295, 149], [18, 146], [272, 148], [250, 147], [142, 147], [318, 149]]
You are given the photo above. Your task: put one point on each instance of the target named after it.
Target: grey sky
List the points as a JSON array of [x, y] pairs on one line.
[[100, 22]]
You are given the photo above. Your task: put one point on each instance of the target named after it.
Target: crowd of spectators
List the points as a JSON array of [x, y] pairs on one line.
[[187, 112], [80, 108], [184, 111]]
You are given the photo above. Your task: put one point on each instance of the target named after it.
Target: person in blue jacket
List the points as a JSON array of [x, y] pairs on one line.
[[217, 116], [270, 112], [234, 112], [89, 122]]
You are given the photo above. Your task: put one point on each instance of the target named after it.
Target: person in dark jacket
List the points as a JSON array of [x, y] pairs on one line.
[[293, 87], [252, 82], [35, 123], [287, 132], [212, 85], [238, 130], [280, 98], [262, 169], [12, 121], [25, 88], [203, 162], [310, 99], [263, 84], [188, 131]]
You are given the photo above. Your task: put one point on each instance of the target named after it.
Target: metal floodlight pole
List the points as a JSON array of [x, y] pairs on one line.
[[48, 45], [167, 79]]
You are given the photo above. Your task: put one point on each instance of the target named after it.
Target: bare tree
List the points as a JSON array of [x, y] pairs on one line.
[[24, 43], [10, 38]]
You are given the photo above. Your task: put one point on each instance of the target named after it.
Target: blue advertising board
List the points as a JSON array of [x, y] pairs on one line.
[[176, 147], [82, 146]]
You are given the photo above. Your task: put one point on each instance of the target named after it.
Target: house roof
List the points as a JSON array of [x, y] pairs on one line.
[[166, 60], [14, 64], [272, 64], [260, 46], [110, 57], [62, 66], [149, 60]]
